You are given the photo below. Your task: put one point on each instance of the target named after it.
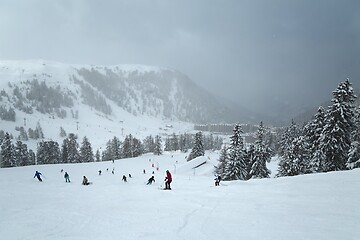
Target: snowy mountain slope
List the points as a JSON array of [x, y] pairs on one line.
[[318, 206], [140, 90], [90, 100]]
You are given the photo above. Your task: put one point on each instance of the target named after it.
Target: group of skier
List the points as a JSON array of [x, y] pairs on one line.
[[168, 179]]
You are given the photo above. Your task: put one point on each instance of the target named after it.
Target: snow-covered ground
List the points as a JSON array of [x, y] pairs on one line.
[[321, 206]]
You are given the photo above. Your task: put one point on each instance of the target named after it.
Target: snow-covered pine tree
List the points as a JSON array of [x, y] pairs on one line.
[[148, 144], [62, 132], [72, 147], [312, 132], [137, 147], [339, 124], [23, 135], [97, 156], [21, 154], [126, 147], [7, 152], [353, 160], [223, 158], [262, 154], [198, 148], [107, 153], [31, 157], [167, 144], [116, 148], [285, 149], [288, 137], [48, 152], [235, 166], [39, 132], [174, 142], [158, 145], [86, 153]]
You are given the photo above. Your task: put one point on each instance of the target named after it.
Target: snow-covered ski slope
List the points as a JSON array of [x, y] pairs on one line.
[[319, 206]]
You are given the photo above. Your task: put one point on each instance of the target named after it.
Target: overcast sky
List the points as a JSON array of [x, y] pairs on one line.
[[261, 54]]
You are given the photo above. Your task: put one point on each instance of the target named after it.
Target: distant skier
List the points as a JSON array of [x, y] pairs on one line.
[[85, 181], [67, 177], [151, 180], [217, 180], [144, 171], [124, 178], [99, 172], [38, 174], [168, 180], [130, 175]]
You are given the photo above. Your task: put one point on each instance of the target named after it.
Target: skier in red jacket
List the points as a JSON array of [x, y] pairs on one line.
[[168, 180]]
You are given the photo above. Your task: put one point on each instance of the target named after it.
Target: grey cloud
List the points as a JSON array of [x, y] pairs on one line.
[[261, 54]]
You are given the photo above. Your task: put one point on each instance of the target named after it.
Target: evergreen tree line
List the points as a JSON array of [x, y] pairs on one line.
[[7, 114], [183, 142], [45, 100], [50, 152], [240, 162], [328, 142], [93, 98]]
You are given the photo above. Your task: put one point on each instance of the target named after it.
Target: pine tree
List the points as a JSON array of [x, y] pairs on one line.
[[116, 152], [174, 142], [285, 149], [62, 132], [21, 154], [97, 156], [339, 124], [107, 153], [312, 131], [71, 146], [48, 152], [137, 147], [235, 167], [354, 155], [7, 152], [223, 158], [262, 154], [167, 145], [288, 137], [86, 153], [158, 145], [126, 147], [198, 149], [148, 144], [23, 135]]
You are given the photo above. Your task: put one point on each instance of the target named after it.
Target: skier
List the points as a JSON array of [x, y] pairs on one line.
[[67, 177], [217, 180], [38, 174], [85, 181], [124, 178], [99, 172], [168, 180], [151, 180]]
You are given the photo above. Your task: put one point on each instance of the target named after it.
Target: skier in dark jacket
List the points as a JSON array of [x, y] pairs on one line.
[[151, 180], [38, 174], [67, 177], [217, 180], [168, 180], [124, 178], [85, 181]]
